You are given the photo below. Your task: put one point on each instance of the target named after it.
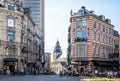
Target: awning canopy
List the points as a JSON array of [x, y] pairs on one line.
[[107, 63], [84, 63], [10, 60]]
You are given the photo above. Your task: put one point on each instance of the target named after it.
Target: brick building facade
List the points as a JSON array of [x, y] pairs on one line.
[[92, 39]]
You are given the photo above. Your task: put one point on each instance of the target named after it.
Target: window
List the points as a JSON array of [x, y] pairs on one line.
[[106, 29], [82, 23], [81, 12], [98, 36], [80, 49], [10, 7], [10, 36], [78, 24], [109, 30], [103, 28], [94, 50], [107, 40], [84, 34], [94, 35], [81, 34], [94, 24], [98, 50], [99, 26], [10, 22]]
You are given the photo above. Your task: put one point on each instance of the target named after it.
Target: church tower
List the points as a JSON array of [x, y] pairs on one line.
[[57, 51]]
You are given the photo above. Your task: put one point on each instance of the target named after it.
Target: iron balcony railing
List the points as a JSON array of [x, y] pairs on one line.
[[81, 39]]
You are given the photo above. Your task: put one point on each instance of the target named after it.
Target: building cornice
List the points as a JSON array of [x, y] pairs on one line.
[[88, 15], [14, 12]]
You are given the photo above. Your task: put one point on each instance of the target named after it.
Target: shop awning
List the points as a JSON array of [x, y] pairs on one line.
[[106, 63], [84, 63], [10, 60]]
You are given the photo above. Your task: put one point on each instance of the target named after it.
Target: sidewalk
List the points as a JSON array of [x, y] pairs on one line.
[[5, 76], [8, 76]]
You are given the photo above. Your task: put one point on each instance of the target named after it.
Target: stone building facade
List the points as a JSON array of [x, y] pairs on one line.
[[91, 41], [19, 41]]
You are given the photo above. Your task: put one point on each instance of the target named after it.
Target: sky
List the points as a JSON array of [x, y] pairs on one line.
[[57, 16]]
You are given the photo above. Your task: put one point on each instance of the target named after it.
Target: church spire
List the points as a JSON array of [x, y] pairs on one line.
[[57, 50]]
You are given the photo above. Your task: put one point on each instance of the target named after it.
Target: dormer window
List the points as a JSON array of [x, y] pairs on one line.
[[103, 17], [108, 21], [81, 12], [10, 7]]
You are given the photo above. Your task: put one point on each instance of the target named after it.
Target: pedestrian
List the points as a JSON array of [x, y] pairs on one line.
[[60, 73], [8, 72], [96, 73]]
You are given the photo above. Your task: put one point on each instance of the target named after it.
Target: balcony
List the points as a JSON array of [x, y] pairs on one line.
[[81, 39], [11, 28]]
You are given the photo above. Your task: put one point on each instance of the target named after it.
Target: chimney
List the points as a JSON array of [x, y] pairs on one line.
[[83, 7]]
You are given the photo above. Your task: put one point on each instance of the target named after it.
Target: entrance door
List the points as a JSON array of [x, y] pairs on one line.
[[12, 69], [10, 66]]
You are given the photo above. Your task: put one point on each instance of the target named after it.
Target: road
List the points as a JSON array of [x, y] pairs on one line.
[[39, 78]]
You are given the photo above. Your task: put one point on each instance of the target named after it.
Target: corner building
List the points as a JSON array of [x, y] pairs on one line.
[[91, 40]]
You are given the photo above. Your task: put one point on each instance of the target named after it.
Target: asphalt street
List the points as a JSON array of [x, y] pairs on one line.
[[39, 78]]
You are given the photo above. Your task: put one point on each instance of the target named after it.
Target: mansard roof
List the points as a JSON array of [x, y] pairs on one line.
[[84, 12]]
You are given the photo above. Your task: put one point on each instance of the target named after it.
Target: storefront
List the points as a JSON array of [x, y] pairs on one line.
[[10, 64], [106, 65]]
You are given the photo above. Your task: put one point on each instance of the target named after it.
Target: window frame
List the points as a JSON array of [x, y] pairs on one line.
[[9, 36]]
